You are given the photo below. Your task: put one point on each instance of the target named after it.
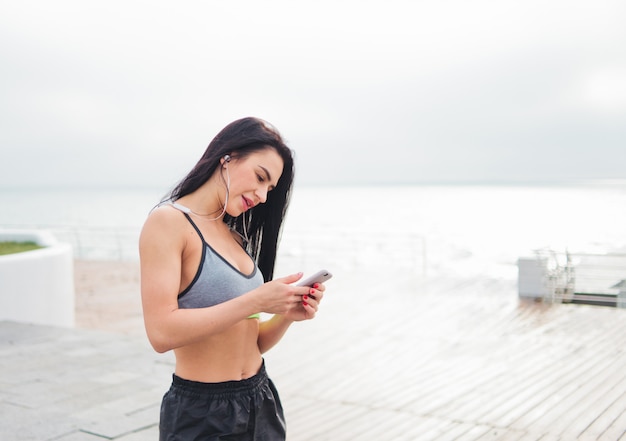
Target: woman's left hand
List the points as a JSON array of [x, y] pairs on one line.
[[306, 309]]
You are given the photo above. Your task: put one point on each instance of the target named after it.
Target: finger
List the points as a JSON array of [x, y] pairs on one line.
[[311, 293], [319, 286], [308, 300], [316, 294], [309, 308], [292, 278]]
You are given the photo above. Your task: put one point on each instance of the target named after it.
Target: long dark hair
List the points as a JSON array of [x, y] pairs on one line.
[[239, 139]]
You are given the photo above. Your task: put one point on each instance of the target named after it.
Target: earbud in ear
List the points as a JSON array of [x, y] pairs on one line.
[[226, 158]]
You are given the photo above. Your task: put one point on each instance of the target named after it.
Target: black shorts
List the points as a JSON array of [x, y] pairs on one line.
[[233, 410]]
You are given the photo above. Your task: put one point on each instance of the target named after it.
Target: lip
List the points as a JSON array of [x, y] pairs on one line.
[[247, 203]]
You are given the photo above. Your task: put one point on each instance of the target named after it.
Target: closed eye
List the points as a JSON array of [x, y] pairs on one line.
[[261, 180], [267, 177]]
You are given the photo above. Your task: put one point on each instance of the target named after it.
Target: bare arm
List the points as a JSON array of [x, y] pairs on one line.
[[271, 331], [168, 327], [161, 249]]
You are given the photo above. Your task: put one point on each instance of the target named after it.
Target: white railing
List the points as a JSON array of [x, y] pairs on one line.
[[350, 249], [577, 277], [94, 243]]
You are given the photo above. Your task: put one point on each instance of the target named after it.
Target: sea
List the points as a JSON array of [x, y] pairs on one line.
[[464, 230]]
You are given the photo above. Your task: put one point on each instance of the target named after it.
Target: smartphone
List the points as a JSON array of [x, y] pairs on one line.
[[319, 277]]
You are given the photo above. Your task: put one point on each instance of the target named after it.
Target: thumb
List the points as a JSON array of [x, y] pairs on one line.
[[292, 278]]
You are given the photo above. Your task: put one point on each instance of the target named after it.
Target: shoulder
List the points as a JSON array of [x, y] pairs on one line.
[[164, 215], [164, 222]]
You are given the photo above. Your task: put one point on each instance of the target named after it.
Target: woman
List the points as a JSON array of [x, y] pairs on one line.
[[207, 262]]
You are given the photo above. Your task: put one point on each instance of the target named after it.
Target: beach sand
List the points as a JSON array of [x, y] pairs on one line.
[[108, 296]]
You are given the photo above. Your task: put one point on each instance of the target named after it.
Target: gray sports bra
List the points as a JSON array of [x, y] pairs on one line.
[[216, 280]]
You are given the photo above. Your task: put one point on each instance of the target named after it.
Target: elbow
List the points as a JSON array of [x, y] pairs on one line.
[[159, 343], [160, 348]]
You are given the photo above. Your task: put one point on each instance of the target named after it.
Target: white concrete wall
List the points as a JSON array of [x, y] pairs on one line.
[[532, 277], [37, 286]]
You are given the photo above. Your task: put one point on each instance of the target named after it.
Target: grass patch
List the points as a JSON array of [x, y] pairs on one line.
[[17, 247]]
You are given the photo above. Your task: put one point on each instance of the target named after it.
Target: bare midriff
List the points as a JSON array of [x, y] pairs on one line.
[[231, 355]]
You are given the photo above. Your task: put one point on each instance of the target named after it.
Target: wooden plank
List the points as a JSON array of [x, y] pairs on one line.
[[537, 396], [598, 393], [446, 362], [607, 424], [501, 434], [617, 429], [560, 408]]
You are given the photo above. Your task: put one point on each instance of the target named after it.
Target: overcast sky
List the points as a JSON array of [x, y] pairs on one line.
[[131, 92]]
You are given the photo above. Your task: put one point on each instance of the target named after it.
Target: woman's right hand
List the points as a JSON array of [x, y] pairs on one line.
[[280, 296]]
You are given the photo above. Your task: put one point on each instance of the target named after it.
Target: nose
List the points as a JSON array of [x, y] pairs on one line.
[[261, 194]]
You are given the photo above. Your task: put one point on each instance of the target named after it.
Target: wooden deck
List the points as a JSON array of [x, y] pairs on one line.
[[390, 358], [413, 359]]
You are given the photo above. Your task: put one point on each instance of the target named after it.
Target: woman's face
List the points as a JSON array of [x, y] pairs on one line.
[[251, 178]]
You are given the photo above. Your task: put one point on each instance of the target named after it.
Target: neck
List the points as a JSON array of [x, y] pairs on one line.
[[208, 200]]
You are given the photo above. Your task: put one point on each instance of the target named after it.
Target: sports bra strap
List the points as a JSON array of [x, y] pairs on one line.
[[186, 212], [195, 227]]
